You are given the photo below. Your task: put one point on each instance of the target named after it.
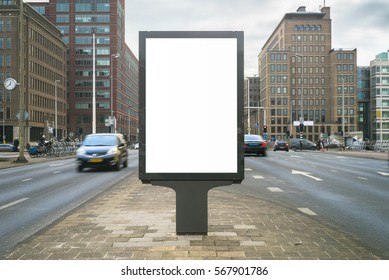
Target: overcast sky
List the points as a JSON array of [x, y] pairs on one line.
[[361, 24]]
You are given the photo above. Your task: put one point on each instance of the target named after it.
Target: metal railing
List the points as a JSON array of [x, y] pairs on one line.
[[381, 146]]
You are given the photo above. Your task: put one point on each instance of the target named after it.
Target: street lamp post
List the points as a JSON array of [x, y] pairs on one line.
[[301, 98], [4, 109], [343, 132], [22, 86], [116, 55], [248, 107], [94, 82], [56, 108]]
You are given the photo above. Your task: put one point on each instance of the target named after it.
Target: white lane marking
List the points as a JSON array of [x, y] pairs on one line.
[[258, 177], [333, 170], [13, 203], [55, 172], [306, 174], [56, 164], [248, 169], [363, 178], [307, 211], [313, 165], [26, 180], [274, 189], [383, 173]]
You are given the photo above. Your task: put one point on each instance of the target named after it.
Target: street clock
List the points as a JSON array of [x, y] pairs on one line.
[[10, 84]]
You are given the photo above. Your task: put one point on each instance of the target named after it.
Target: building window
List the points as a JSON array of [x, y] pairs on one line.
[[62, 6], [339, 99], [62, 18], [83, 7], [8, 60], [102, 6]]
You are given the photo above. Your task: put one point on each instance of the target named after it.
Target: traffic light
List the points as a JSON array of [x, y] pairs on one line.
[[287, 133], [301, 127], [265, 128]]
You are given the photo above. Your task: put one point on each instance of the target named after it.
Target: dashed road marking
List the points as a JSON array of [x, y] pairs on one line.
[[383, 173], [275, 189], [248, 169], [307, 211], [333, 170], [258, 177], [363, 178], [13, 203], [26, 180], [56, 172], [56, 164]]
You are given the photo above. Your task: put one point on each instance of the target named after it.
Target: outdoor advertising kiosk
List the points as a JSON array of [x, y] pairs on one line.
[[191, 90]]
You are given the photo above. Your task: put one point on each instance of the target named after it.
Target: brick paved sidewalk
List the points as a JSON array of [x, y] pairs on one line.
[[136, 221]]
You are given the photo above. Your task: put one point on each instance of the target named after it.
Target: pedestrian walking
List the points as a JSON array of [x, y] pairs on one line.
[[16, 144]]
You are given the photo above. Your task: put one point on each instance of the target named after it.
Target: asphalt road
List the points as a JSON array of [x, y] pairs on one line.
[[33, 196], [348, 193]]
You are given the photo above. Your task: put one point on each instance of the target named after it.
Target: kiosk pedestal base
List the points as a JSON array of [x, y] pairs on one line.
[[192, 204]]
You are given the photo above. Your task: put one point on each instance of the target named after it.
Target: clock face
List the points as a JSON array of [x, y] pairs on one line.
[[10, 84]]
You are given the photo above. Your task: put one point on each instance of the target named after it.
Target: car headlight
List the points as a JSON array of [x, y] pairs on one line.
[[80, 152], [112, 151]]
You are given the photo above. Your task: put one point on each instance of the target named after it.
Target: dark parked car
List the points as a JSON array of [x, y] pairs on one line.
[[281, 145], [294, 144], [103, 150], [254, 144], [7, 148]]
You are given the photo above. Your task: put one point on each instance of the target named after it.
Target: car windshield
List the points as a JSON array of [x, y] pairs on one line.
[[251, 137], [99, 140]]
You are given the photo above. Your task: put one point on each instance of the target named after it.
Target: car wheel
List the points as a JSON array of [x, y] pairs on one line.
[[79, 168], [118, 165], [125, 163]]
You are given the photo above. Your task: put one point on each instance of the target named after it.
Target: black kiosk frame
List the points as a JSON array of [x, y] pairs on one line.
[[191, 90]]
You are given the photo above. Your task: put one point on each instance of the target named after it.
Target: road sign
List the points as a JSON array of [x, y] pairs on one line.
[[265, 135], [25, 115], [306, 123]]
